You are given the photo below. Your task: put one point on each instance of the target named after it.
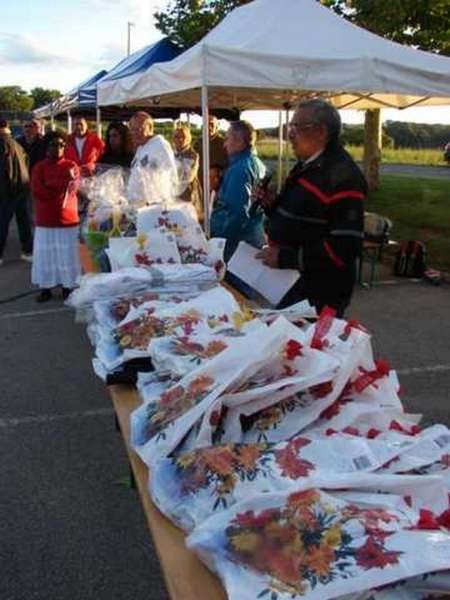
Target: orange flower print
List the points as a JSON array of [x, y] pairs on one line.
[[248, 455], [200, 384], [220, 460], [320, 560]]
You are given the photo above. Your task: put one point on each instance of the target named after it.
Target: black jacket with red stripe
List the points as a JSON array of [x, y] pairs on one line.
[[317, 221]]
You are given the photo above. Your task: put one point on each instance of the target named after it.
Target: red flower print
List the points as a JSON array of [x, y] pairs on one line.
[[427, 520], [333, 410], [321, 390], [444, 519], [293, 349], [373, 433], [172, 395], [350, 431], [143, 259], [291, 465], [249, 519], [373, 556]]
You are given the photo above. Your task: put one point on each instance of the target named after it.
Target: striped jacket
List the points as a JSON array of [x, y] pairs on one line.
[[317, 222]]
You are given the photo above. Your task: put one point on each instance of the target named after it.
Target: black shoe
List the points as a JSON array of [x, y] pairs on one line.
[[66, 293], [44, 296]]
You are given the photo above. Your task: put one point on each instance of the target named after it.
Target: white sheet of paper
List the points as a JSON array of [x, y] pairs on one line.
[[273, 284]]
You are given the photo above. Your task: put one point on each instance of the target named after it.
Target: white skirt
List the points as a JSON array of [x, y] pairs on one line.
[[56, 257]]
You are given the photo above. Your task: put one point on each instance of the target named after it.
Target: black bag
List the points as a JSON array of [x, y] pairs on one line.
[[410, 259]]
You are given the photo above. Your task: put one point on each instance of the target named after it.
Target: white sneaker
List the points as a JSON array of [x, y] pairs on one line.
[[26, 257]]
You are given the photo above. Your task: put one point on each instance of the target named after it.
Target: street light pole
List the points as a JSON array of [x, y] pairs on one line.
[[129, 26]]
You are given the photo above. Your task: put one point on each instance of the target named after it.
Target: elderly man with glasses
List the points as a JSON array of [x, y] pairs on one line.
[[316, 223]]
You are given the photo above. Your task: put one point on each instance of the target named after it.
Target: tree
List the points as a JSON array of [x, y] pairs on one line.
[[186, 22], [14, 98], [424, 24], [42, 96]]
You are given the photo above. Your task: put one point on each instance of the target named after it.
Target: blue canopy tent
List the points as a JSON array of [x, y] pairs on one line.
[[139, 61], [83, 98], [69, 101]]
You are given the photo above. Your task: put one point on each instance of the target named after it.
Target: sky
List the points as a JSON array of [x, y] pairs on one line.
[[58, 44]]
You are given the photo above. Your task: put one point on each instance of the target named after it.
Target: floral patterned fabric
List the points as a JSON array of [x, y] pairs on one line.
[[314, 545], [192, 486]]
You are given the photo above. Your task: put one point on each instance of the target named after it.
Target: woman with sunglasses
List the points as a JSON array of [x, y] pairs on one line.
[[54, 184]]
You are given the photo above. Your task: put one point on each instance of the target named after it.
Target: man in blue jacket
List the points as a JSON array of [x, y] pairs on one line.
[[235, 217]]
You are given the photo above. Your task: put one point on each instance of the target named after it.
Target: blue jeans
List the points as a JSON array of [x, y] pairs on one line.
[[18, 207]]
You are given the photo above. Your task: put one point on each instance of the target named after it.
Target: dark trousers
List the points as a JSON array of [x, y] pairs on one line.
[[300, 291], [19, 208]]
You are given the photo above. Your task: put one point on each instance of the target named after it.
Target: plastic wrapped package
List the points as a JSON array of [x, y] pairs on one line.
[[190, 487], [289, 369], [135, 281], [179, 354], [146, 250], [190, 238], [153, 175], [312, 545], [426, 448], [166, 421], [296, 313], [295, 412], [131, 337], [177, 220]]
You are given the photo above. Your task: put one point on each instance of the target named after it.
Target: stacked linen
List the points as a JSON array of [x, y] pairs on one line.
[[136, 281]]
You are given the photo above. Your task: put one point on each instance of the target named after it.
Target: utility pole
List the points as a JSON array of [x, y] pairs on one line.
[[129, 26]]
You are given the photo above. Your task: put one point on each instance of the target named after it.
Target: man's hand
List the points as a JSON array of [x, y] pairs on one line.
[[269, 256]]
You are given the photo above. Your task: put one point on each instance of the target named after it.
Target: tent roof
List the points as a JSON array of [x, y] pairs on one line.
[[266, 54], [84, 95], [70, 99]]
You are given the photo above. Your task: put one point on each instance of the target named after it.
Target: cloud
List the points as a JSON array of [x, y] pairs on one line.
[[19, 50]]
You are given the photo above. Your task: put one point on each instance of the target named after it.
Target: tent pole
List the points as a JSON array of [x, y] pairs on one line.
[[69, 122], [280, 150], [286, 146], [205, 148], [98, 119]]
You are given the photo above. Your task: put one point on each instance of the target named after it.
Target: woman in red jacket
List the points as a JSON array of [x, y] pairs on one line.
[[54, 184]]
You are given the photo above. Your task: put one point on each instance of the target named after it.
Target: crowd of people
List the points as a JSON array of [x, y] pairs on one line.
[[315, 224]]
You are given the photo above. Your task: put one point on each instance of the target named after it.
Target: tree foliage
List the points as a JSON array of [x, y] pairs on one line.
[[186, 22], [14, 98], [424, 24], [421, 23], [42, 96]]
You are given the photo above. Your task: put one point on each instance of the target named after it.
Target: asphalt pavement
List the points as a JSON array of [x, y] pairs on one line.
[[70, 527]]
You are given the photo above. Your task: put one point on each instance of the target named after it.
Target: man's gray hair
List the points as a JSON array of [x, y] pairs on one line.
[[246, 131], [324, 113]]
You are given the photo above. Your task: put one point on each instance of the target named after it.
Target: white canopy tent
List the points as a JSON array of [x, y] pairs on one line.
[[267, 55]]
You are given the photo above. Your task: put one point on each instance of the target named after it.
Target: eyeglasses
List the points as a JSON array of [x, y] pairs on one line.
[[57, 144], [297, 127]]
